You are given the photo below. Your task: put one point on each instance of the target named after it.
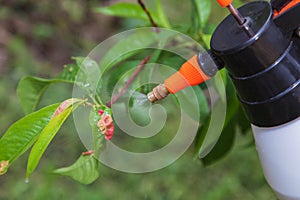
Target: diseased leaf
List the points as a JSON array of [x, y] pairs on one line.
[[3, 166], [84, 170], [97, 137], [64, 105], [23, 133], [48, 134]]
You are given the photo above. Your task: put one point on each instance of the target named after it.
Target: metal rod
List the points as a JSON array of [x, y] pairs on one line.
[[240, 19], [236, 14]]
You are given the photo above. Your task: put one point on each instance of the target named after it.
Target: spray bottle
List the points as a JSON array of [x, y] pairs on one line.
[[259, 45]]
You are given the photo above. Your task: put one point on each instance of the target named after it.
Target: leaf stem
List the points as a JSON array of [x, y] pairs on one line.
[[89, 104], [130, 80], [94, 100], [99, 99]]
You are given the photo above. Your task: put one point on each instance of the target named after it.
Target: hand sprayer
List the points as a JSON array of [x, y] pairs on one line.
[[259, 45]]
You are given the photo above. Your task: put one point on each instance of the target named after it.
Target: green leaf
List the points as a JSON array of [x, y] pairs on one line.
[[226, 139], [161, 15], [128, 10], [243, 121], [127, 47], [89, 75], [23, 133], [204, 118], [208, 134], [220, 82], [69, 73], [201, 103], [195, 21], [114, 75], [84, 170], [139, 112], [203, 9], [200, 137], [206, 39], [49, 131], [235, 117], [97, 136], [200, 12], [30, 89], [223, 145], [79, 60]]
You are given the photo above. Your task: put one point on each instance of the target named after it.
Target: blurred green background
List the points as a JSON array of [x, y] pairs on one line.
[[38, 38]]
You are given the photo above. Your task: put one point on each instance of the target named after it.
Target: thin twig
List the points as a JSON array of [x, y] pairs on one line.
[[142, 63], [130, 80], [153, 23]]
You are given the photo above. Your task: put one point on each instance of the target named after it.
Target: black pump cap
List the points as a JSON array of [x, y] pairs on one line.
[[229, 37], [244, 55], [265, 67]]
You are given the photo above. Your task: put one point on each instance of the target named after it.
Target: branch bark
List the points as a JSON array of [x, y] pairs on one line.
[[130, 80], [153, 23]]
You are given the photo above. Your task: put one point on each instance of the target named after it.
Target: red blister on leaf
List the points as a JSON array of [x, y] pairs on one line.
[[3, 166], [100, 112], [105, 125], [64, 105], [86, 153]]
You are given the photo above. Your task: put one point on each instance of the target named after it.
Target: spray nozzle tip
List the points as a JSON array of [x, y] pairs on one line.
[[158, 93]]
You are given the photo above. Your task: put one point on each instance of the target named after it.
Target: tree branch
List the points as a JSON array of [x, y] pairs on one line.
[[142, 63], [130, 80], [153, 23]]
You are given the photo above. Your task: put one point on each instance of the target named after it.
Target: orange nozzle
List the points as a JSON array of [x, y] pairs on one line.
[[224, 3], [189, 74], [288, 6]]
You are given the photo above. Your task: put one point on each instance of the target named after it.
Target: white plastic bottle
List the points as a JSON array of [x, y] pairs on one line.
[[279, 151]]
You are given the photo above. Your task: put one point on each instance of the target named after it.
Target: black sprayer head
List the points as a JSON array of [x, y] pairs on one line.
[[264, 67]]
